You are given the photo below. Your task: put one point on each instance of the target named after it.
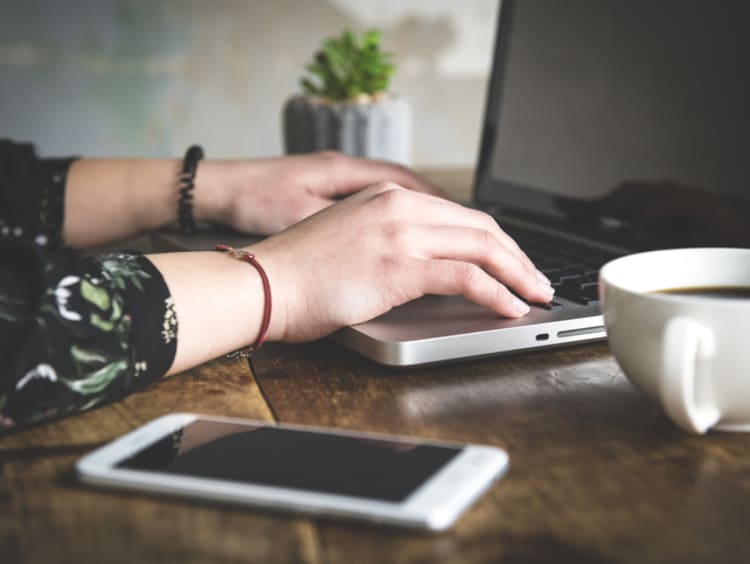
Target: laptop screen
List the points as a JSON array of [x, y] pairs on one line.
[[622, 117]]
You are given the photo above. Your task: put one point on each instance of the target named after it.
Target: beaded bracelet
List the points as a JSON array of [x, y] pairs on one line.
[[185, 220], [250, 259]]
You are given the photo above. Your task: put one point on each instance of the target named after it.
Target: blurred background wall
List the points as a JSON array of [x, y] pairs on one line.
[[149, 77]]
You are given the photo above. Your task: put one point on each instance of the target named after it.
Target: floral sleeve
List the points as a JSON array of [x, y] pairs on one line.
[[32, 191], [75, 332]]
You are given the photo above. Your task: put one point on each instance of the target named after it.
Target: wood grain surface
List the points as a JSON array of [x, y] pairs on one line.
[[598, 474], [46, 516]]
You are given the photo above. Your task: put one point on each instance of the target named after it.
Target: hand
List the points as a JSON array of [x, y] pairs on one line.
[[268, 195], [385, 246]]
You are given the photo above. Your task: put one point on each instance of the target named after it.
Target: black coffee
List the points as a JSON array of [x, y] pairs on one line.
[[725, 292]]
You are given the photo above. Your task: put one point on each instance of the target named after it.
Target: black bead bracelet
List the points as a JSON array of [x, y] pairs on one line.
[[185, 220]]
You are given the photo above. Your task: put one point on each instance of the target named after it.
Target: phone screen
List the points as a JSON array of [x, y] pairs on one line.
[[307, 460]]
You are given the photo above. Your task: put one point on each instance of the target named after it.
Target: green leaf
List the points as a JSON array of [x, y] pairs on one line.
[[372, 39], [120, 271], [316, 69], [84, 357], [97, 296], [98, 321], [98, 380], [349, 65], [349, 41], [309, 87]]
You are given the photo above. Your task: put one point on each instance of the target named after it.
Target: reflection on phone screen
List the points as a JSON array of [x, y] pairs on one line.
[[306, 460]]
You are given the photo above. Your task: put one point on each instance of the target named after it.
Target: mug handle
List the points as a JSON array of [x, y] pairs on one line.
[[685, 342]]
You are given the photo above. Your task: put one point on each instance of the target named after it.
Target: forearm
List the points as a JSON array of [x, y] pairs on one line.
[[111, 199], [219, 303], [85, 331]]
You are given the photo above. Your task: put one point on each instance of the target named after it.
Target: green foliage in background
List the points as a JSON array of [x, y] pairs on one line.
[[349, 66]]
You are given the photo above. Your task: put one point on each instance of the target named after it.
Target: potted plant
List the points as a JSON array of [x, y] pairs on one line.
[[346, 105]]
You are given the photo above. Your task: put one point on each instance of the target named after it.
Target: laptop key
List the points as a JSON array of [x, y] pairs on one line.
[[568, 276], [590, 301], [572, 269], [572, 290], [588, 296], [550, 306]]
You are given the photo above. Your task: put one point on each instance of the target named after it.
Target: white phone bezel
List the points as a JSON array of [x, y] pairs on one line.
[[434, 505]]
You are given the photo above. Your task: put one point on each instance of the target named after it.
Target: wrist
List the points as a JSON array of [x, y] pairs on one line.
[[215, 183], [250, 258], [278, 321], [206, 202]]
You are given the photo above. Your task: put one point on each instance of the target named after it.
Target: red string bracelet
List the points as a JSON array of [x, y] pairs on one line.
[[250, 258]]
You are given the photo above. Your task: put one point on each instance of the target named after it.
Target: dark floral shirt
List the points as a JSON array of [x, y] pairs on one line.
[[75, 331]]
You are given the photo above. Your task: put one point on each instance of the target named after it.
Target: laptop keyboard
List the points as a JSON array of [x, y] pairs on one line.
[[572, 268]]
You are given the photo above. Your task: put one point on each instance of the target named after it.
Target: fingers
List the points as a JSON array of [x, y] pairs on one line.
[[388, 245], [479, 247], [435, 211], [447, 277], [467, 217], [352, 174]]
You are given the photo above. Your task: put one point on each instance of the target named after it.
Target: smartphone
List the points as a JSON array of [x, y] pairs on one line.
[[381, 478]]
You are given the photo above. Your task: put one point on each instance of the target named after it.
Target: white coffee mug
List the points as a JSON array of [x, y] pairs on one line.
[[689, 353]]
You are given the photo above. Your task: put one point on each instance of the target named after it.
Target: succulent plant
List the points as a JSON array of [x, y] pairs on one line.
[[348, 67]]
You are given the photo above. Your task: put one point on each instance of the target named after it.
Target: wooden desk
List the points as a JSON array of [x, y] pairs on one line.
[[597, 474]]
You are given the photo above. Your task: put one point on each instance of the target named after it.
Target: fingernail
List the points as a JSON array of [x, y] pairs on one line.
[[543, 279], [520, 307], [549, 290]]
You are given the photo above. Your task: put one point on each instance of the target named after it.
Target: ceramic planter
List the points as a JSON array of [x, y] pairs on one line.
[[373, 128]]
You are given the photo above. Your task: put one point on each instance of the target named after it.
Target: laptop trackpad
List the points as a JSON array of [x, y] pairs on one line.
[[439, 316]]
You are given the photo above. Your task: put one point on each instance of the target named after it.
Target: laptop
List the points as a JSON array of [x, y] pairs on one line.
[[610, 127]]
